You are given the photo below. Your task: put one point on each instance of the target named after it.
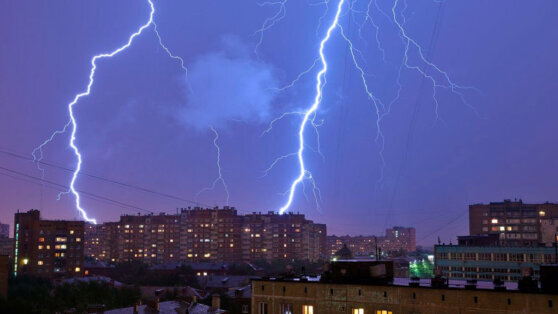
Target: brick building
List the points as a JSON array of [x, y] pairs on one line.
[[207, 235], [515, 222], [210, 234], [371, 289], [49, 248]]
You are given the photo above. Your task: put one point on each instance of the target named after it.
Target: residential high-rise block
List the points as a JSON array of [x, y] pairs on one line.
[[208, 235], [49, 248], [515, 222]]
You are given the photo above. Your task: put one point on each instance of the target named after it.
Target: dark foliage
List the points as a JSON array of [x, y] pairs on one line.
[[28, 294]]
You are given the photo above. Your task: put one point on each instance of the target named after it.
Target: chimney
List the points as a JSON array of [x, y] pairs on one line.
[[215, 302]]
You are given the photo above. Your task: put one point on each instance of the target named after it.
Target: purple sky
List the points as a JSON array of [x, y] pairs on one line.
[[146, 124]]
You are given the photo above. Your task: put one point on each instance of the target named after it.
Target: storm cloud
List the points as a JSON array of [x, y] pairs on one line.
[[228, 85]]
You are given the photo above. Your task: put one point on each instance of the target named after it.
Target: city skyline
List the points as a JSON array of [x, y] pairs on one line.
[[148, 147]]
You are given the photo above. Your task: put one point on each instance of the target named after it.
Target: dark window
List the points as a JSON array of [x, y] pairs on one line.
[[443, 297], [284, 289], [509, 301], [476, 300], [359, 292], [263, 287], [414, 295], [305, 290], [549, 303], [331, 291], [385, 294]]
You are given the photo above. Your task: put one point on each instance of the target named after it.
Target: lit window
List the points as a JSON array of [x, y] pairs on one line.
[[79, 240], [502, 228], [383, 312], [494, 221], [71, 231], [41, 239], [25, 261], [206, 255], [307, 309], [39, 263], [231, 245], [77, 269], [189, 255], [40, 247], [542, 213], [358, 311], [205, 273]]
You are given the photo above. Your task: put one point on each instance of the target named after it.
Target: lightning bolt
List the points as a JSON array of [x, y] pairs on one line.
[[270, 21], [446, 83], [38, 151], [310, 113], [220, 174], [441, 80]]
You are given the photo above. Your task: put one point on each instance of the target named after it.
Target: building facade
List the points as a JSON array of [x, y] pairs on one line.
[[396, 239], [515, 222], [491, 262], [207, 235], [367, 288], [4, 230], [278, 297], [49, 248], [7, 246]]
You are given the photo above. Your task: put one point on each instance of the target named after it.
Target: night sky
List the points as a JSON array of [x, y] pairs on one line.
[[146, 124]]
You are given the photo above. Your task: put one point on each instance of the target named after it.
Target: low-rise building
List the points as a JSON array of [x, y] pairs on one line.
[[490, 262], [371, 289]]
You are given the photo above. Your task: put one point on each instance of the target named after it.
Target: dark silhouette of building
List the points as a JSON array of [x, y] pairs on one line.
[[343, 253]]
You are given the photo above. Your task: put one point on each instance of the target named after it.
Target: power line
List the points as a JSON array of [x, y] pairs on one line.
[[57, 189], [127, 185], [81, 191], [443, 226]]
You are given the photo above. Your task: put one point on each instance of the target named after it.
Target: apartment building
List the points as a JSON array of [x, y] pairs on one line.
[[49, 248], [515, 222], [289, 236], [210, 234], [207, 235], [396, 239]]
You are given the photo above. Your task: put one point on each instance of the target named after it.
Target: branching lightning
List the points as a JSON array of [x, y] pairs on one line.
[[219, 172], [382, 109], [270, 21], [38, 151], [310, 113]]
